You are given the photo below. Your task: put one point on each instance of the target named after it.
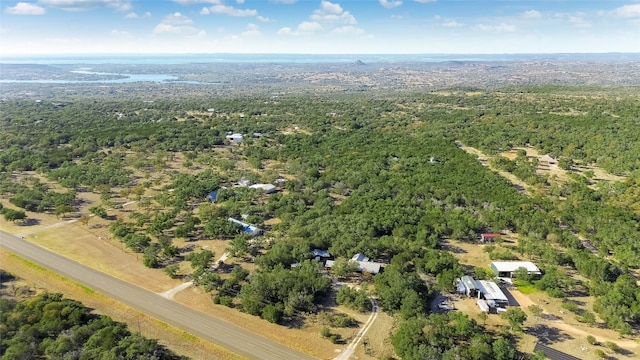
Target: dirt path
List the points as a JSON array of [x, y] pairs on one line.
[[519, 185], [350, 349], [543, 168], [573, 329]]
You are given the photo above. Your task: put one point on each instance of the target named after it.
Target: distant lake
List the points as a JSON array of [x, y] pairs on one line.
[[122, 79]]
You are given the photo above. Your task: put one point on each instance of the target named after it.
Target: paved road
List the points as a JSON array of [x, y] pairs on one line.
[[219, 332]]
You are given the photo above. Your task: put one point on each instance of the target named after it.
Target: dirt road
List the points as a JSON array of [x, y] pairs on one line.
[[202, 325]]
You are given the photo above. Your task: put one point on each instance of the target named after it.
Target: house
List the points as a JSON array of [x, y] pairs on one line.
[[234, 138], [467, 285], [489, 237], [489, 291], [247, 228], [363, 262], [507, 268], [267, 188]]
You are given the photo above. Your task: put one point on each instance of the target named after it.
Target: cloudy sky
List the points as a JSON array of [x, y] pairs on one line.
[[318, 26]]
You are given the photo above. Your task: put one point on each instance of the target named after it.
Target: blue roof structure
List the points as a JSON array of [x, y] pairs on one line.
[[213, 196], [247, 228]]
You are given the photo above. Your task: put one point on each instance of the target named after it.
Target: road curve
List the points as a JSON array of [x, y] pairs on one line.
[[222, 333]]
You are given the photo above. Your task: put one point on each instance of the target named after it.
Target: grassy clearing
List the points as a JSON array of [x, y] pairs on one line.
[[525, 288]]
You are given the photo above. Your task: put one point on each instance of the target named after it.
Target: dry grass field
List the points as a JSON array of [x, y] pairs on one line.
[[39, 279]]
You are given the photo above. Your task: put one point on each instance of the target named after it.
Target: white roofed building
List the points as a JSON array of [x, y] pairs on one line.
[[507, 268], [491, 292], [267, 188]]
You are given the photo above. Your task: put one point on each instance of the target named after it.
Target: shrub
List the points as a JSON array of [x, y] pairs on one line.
[[570, 305], [325, 333], [272, 314], [226, 301], [592, 340], [613, 346], [599, 353]]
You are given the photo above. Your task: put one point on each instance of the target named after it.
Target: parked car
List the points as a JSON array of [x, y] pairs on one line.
[[446, 307]]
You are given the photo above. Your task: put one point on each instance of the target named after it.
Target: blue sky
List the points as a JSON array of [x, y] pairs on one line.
[[320, 27]]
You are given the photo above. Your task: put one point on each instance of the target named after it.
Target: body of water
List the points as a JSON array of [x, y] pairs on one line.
[[122, 79]]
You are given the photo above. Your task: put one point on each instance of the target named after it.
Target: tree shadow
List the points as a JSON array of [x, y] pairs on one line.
[[30, 222], [550, 317], [548, 335]]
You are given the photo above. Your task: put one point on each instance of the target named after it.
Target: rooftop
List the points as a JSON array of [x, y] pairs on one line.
[[491, 291], [511, 266]]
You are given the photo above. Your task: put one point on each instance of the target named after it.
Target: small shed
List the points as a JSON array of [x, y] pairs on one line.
[[213, 196], [548, 160], [484, 307], [235, 138], [489, 237], [247, 228], [319, 253]]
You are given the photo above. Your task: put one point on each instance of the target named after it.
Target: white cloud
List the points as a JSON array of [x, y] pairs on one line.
[[579, 21], [227, 10], [23, 8], [176, 24], [134, 15], [240, 2], [628, 11], [283, 1], [309, 26], [332, 13], [193, 2], [263, 18], [120, 33], [424, 1], [79, 5], [253, 30], [452, 24], [390, 4], [531, 14], [502, 27], [329, 18], [285, 31]]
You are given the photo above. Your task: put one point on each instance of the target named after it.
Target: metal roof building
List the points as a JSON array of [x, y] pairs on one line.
[[507, 268], [490, 291], [468, 286]]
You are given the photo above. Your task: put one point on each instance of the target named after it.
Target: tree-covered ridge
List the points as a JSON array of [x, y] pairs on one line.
[[52, 327], [375, 175]]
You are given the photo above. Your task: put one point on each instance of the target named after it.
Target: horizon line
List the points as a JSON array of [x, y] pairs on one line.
[[314, 54]]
